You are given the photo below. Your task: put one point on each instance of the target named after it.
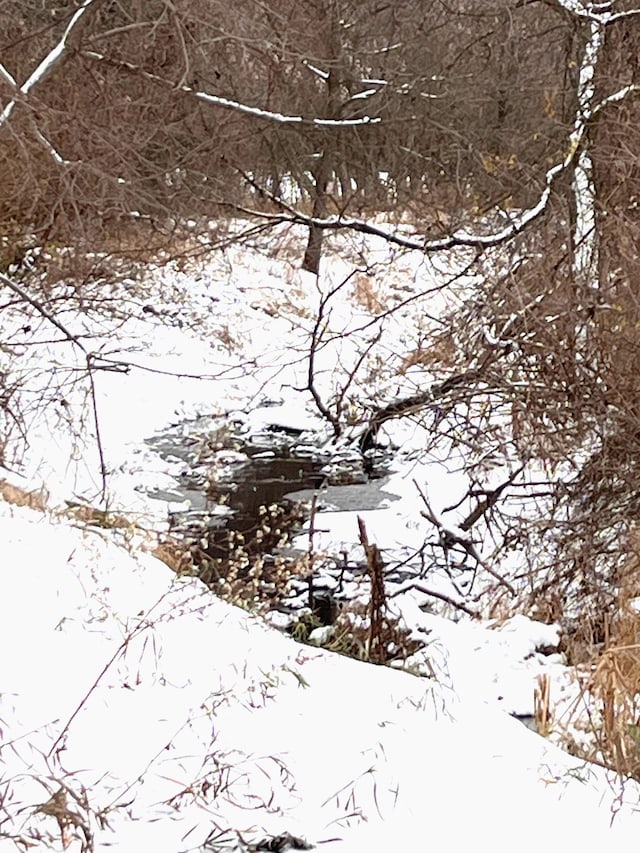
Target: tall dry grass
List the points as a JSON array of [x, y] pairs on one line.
[[609, 708]]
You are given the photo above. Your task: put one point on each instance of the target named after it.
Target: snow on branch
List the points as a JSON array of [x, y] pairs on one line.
[[463, 238], [7, 77], [226, 103], [51, 60], [324, 75], [615, 97], [585, 262], [49, 147], [600, 13]]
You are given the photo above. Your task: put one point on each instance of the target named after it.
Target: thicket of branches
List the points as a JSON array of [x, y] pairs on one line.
[[408, 106], [508, 128]]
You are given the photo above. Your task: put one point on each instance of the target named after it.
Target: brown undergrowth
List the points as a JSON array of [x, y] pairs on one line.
[[370, 631], [608, 711], [18, 496], [352, 632]]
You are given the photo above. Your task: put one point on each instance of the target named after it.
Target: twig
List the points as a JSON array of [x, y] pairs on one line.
[[96, 423], [415, 403], [143, 624], [316, 335], [89, 358], [310, 552], [185, 52], [41, 309], [440, 595], [450, 538], [377, 600], [70, 38], [227, 103], [491, 498]]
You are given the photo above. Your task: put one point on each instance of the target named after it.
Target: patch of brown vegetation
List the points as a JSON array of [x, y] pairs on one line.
[[430, 351], [36, 499], [368, 293], [98, 517], [611, 681], [174, 554], [352, 636]]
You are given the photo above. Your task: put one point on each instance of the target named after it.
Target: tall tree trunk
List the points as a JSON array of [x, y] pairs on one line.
[[326, 163], [321, 177]]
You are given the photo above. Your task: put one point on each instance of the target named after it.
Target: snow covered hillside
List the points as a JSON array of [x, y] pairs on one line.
[[140, 712]]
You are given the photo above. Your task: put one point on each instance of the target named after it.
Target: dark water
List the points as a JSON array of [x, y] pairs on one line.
[[263, 482], [223, 466], [249, 494]]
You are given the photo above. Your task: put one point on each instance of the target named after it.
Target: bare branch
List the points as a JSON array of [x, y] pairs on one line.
[[451, 537], [52, 59], [226, 103], [600, 13], [41, 309], [89, 361], [415, 585]]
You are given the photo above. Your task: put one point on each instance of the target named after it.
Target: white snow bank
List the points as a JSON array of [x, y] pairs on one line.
[[177, 716]]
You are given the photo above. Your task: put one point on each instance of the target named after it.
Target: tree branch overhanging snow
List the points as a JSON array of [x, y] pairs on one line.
[[463, 238]]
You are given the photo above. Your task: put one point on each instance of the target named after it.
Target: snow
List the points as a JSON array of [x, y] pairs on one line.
[[138, 687], [170, 717]]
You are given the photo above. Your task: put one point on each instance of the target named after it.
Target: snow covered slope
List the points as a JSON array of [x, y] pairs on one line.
[[139, 712]]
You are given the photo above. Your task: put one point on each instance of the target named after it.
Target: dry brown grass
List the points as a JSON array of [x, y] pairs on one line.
[[36, 499], [542, 714], [352, 636], [615, 681], [96, 517], [432, 350], [611, 693], [368, 293], [174, 554]]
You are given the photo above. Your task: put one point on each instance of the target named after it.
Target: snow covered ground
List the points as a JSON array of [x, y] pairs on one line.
[[167, 718], [138, 711]]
